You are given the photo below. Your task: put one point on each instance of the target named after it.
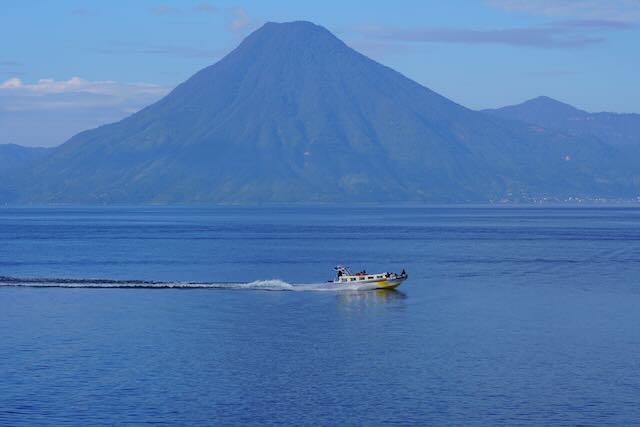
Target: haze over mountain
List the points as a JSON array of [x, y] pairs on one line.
[[14, 156], [621, 130], [295, 115], [15, 159]]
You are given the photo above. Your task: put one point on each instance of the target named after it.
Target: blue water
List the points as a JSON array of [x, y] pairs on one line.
[[209, 316]]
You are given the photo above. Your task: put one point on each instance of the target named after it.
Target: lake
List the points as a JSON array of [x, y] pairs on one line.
[[211, 316]]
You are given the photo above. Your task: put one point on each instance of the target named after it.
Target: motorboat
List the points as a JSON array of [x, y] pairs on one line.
[[381, 280]]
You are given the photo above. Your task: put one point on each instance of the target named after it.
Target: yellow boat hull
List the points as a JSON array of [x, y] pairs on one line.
[[390, 284]]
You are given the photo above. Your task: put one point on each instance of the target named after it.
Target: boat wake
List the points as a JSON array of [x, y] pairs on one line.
[[266, 285]]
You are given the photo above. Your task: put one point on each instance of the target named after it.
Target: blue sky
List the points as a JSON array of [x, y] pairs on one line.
[[70, 65]]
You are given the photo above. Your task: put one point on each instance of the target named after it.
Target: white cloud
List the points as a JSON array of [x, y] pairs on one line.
[[239, 22], [616, 10], [116, 47], [205, 8], [62, 108], [163, 9], [80, 11], [15, 91], [13, 83], [567, 34]]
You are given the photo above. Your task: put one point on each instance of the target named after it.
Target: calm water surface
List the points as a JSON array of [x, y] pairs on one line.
[[510, 316]]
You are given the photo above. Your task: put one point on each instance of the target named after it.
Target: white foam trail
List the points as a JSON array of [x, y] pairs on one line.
[[267, 285]]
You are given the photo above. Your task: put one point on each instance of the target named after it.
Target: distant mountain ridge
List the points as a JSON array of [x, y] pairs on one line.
[[622, 130], [295, 115], [13, 156], [15, 159]]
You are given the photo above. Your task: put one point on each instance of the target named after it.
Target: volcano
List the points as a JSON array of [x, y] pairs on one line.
[[295, 115]]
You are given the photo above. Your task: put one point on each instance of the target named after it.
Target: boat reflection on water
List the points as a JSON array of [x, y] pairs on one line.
[[370, 297]]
